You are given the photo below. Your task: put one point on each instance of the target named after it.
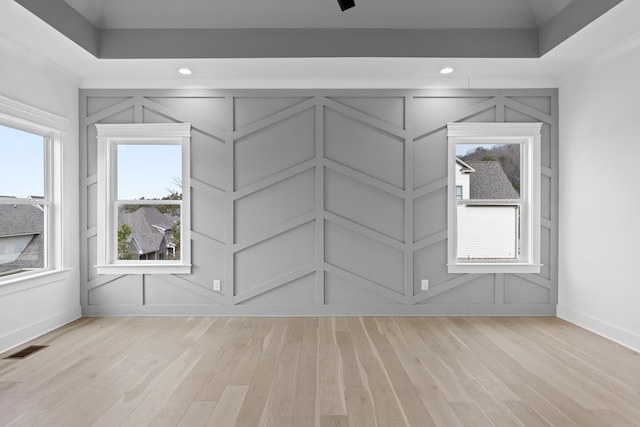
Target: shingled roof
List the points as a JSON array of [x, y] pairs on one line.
[[147, 225], [490, 182], [148, 243], [28, 221], [20, 220]]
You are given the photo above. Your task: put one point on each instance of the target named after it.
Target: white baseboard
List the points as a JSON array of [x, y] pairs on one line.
[[38, 328], [621, 336]]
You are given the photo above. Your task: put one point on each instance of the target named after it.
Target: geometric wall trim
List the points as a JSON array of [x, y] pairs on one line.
[[319, 202]]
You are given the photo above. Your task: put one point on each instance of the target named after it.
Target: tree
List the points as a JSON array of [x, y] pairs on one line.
[[175, 238], [173, 210], [123, 242]]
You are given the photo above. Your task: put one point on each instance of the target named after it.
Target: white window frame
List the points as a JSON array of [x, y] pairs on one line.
[[109, 137], [54, 130], [528, 136]]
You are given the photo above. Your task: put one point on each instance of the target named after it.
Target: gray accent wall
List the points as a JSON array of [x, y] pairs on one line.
[[319, 202]]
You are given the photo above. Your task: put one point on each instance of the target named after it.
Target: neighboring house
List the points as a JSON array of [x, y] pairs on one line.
[[486, 231], [150, 237], [21, 237], [490, 182], [463, 179]]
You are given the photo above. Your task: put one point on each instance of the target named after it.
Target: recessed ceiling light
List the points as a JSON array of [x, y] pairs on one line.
[[446, 70], [185, 71]]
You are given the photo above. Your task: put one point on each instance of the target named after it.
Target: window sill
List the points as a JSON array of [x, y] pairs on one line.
[[144, 269], [494, 268]]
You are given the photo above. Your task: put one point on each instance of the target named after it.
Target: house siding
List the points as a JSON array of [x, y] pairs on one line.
[[318, 202]]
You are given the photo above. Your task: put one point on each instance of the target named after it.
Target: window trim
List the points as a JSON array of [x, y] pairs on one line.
[[108, 137], [529, 136], [55, 131]]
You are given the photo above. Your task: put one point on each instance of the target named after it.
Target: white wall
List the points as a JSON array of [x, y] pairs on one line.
[[599, 269], [33, 307]]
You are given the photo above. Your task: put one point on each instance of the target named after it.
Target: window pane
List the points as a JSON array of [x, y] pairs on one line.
[[488, 171], [21, 163], [148, 232], [458, 192], [21, 237], [149, 172], [488, 232]]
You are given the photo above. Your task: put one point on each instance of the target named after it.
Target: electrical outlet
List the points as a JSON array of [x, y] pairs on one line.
[[216, 285], [425, 284]]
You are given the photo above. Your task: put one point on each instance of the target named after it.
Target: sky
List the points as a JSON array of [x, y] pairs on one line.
[[148, 171], [21, 163]]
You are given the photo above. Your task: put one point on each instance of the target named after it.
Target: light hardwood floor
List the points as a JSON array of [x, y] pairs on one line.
[[321, 372]]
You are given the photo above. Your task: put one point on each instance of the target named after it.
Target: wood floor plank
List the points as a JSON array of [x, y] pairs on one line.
[[359, 406], [28, 418], [148, 377], [470, 414], [609, 391], [305, 407], [250, 356], [388, 409], [433, 354], [5, 386], [161, 392], [497, 412], [545, 409], [322, 372], [547, 386], [224, 358], [334, 421], [101, 398], [330, 379], [526, 415], [431, 395], [179, 402], [613, 418], [228, 408], [543, 365], [258, 390], [279, 408], [414, 409], [198, 414]]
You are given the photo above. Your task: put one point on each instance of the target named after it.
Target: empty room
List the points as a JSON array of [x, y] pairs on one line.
[[319, 213]]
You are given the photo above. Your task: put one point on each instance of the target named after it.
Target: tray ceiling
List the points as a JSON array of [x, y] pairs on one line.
[[161, 29]]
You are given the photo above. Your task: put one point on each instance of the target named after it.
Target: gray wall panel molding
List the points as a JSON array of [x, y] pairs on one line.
[[577, 15], [340, 236]]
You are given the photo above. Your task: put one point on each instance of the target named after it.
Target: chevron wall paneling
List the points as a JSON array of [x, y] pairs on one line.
[[318, 202]]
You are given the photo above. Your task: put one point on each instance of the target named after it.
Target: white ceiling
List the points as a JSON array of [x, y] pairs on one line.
[[128, 14]]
